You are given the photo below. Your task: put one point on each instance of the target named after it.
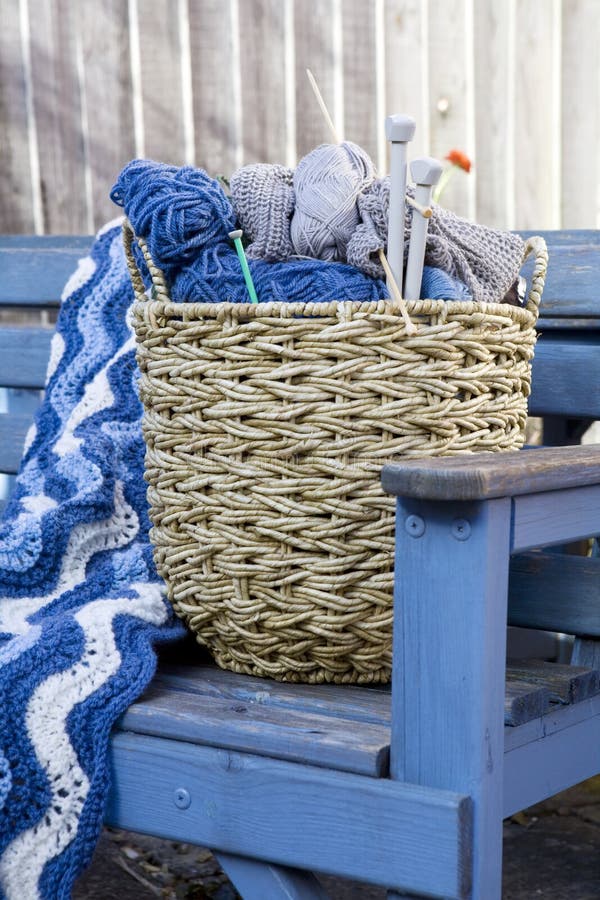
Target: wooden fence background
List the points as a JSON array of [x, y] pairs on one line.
[[86, 85]]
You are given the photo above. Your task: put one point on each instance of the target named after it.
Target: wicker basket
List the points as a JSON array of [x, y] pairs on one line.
[[266, 428]]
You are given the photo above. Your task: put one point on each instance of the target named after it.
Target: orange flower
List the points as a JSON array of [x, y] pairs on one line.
[[460, 159]]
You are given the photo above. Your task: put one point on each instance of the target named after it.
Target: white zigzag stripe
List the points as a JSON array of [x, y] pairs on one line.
[[84, 271], [85, 540], [23, 861], [57, 348], [97, 396]]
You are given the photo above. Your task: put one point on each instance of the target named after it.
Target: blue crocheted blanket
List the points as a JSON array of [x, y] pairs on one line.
[[80, 602]]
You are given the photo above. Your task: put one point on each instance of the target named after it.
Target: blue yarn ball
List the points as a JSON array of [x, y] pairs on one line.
[[179, 211]]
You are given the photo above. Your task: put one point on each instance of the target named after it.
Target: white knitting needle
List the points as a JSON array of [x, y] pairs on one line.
[[399, 130], [425, 173]]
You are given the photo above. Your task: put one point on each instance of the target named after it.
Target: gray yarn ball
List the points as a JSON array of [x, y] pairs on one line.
[[327, 184]]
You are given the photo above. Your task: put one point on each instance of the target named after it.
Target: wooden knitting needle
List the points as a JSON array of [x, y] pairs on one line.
[[324, 110], [395, 292], [426, 211], [399, 130], [391, 280], [425, 173]]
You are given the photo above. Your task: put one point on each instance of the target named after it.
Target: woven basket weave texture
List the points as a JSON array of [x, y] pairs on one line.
[[266, 428]]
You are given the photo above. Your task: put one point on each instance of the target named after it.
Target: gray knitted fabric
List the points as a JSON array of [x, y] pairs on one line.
[[263, 200], [486, 259]]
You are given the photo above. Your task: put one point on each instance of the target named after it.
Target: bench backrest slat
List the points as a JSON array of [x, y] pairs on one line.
[[566, 376], [34, 270], [13, 430], [24, 356], [572, 288]]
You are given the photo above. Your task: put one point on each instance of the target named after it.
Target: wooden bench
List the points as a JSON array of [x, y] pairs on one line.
[[405, 789]]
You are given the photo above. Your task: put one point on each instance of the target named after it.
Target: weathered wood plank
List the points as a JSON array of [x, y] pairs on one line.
[[161, 81], [13, 429], [346, 702], [361, 123], [571, 287], [536, 123], [107, 92], [315, 49], [262, 70], [565, 684], [263, 808], [34, 272], [58, 114], [16, 187], [580, 108], [523, 701], [555, 591], [484, 475], [251, 727], [24, 354], [558, 718], [216, 90], [493, 150], [566, 375], [451, 95], [566, 237], [581, 324], [407, 67]]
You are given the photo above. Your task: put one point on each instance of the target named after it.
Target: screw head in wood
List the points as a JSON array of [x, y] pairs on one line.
[[181, 798], [461, 529], [415, 526]]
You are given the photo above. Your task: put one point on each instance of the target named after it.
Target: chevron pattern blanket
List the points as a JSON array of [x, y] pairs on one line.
[[81, 605]]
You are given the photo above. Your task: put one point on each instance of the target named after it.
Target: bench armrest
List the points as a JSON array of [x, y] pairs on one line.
[[483, 476]]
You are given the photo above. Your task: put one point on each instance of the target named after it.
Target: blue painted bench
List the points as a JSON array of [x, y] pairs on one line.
[[404, 789]]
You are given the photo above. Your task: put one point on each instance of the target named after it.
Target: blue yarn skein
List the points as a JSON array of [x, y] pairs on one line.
[[179, 211], [215, 276]]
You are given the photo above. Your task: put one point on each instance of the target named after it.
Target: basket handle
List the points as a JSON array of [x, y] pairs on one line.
[[536, 245], [158, 278]]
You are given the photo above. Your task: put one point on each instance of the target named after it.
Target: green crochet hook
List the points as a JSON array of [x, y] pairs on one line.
[[236, 237]]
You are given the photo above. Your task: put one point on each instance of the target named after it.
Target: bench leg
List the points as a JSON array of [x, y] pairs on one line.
[[256, 880], [450, 611]]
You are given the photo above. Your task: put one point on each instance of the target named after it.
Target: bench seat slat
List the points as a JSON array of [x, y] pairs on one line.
[[354, 703], [252, 727], [565, 684], [523, 701], [317, 725]]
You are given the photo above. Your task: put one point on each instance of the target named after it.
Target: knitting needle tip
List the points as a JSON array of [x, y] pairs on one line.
[[236, 237]]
